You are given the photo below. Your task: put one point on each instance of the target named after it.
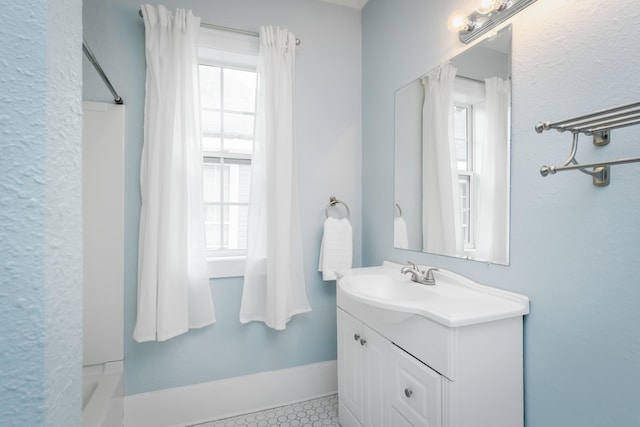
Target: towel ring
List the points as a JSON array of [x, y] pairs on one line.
[[399, 211], [332, 202]]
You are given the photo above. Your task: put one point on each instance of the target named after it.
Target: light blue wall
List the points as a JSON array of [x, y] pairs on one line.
[[328, 93], [574, 247], [40, 213], [22, 206]]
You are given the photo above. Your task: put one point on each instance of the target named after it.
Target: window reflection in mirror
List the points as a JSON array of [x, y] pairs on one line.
[[477, 134]]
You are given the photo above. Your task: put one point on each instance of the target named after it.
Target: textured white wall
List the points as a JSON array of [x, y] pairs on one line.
[[63, 220], [22, 204], [40, 217]]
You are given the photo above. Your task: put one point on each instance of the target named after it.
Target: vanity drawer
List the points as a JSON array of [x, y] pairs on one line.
[[427, 341], [415, 392]]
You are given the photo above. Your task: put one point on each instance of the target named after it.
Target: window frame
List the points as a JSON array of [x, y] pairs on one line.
[[224, 155], [468, 175], [224, 49], [469, 92]]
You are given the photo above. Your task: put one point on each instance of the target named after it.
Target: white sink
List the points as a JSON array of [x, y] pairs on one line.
[[453, 301]]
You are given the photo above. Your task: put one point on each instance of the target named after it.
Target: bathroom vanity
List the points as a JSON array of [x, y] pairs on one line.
[[448, 355]]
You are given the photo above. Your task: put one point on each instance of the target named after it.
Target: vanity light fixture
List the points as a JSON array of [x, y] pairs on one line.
[[488, 14]]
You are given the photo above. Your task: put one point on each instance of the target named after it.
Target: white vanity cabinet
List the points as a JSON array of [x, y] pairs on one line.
[[361, 380], [401, 369], [380, 384]]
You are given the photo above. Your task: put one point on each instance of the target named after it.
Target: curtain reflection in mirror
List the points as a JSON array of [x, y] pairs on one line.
[[493, 211], [442, 230]]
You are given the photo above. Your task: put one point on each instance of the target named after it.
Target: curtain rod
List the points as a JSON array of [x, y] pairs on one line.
[[228, 29], [469, 78], [91, 57]]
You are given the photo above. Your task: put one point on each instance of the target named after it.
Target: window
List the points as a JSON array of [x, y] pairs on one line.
[[228, 115], [228, 83], [463, 135], [469, 134]]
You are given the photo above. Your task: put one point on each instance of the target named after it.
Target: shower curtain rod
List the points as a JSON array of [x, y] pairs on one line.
[[228, 29], [91, 57]]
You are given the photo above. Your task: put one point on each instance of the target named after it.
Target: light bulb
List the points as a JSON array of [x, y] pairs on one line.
[[460, 23], [487, 6]]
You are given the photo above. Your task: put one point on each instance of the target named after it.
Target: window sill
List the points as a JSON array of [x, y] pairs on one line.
[[220, 267]]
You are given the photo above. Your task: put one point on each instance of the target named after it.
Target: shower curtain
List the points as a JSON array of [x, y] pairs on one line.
[[493, 210], [274, 284], [442, 224], [173, 284]]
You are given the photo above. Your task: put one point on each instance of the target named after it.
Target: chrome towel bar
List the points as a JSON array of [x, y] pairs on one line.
[[600, 121], [598, 125]]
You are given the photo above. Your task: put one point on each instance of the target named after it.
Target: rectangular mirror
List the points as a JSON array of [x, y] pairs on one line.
[[452, 156]]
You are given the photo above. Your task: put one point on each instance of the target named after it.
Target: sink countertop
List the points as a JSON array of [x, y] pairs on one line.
[[454, 300]]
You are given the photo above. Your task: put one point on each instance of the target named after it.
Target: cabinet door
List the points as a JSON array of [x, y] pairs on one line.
[[415, 391], [350, 363], [398, 420], [375, 349]]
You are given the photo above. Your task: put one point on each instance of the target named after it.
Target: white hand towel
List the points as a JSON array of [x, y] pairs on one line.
[[400, 237], [336, 249]]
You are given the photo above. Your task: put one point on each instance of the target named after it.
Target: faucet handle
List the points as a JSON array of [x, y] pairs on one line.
[[429, 275], [414, 266]]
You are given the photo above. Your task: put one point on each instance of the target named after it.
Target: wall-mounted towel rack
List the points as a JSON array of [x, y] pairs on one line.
[[597, 124], [332, 202]]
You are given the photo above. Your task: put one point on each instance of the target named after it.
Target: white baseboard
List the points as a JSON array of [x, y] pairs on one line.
[[198, 403]]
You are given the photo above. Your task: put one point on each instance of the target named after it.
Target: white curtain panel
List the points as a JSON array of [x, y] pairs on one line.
[[173, 284], [493, 207], [442, 224], [274, 284]]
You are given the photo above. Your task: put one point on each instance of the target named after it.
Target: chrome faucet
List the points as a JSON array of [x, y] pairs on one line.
[[418, 276]]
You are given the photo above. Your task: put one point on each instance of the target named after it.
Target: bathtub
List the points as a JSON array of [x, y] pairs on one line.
[[103, 395]]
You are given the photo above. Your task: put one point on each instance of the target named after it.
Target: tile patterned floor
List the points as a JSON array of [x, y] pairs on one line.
[[321, 412]]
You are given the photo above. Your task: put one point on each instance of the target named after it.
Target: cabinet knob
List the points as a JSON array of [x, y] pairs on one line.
[[363, 341], [408, 392], [356, 337]]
